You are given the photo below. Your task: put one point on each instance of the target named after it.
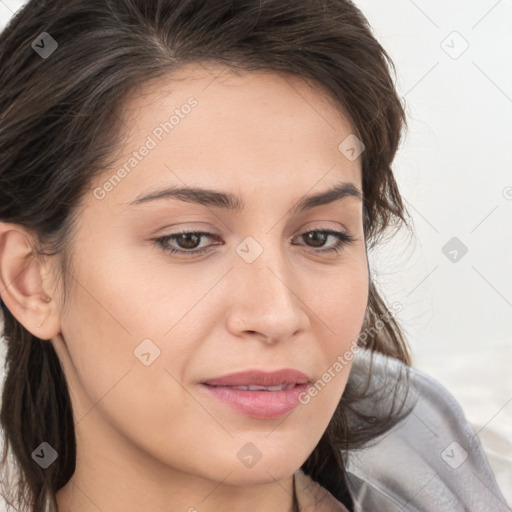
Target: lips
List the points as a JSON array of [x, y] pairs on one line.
[[259, 394], [257, 380]]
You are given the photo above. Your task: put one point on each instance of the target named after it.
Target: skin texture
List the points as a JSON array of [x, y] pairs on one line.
[[148, 438]]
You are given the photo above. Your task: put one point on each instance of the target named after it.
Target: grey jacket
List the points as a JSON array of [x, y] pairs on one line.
[[432, 461]]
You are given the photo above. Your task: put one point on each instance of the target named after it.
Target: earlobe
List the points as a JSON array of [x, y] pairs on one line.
[[21, 283]]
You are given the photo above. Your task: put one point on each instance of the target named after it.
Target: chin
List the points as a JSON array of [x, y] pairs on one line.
[[261, 461]]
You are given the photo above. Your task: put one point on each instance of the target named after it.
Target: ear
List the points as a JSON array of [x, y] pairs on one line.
[[24, 283]]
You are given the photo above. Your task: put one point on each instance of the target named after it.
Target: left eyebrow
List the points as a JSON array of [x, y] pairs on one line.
[[229, 201]]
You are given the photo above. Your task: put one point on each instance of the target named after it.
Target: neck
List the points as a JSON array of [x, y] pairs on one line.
[[312, 496]]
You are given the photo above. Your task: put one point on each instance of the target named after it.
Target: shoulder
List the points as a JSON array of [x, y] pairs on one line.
[[431, 460]]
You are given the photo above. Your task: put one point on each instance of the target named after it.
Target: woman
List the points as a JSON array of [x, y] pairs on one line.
[[188, 193]]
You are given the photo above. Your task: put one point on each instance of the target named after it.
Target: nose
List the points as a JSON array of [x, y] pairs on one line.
[[264, 303]]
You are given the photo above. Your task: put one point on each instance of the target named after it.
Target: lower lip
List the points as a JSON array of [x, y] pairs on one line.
[[258, 404]]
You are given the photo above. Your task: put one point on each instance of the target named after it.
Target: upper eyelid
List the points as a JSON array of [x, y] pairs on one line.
[[212, 235], [214, 232]]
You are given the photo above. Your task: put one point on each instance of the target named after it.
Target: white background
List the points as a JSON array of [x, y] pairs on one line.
[[454, 171]]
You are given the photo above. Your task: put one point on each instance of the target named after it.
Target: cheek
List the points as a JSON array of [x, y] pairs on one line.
[[111, 385], [341, 300], [341, 307]]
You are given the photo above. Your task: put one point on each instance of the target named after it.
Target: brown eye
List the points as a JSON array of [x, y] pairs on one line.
[[318, 238], [186, 242]]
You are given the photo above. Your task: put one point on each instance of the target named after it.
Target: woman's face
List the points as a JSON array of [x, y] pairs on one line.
[[145, 328]]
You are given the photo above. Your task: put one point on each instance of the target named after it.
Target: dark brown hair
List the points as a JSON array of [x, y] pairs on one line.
[[60, 125]]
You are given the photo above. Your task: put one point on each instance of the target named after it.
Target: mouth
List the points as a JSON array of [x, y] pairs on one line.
[[261, 379], [262, 395], [280, 387]]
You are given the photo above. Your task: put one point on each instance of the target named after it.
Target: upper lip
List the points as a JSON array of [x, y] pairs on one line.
[[260, 378]]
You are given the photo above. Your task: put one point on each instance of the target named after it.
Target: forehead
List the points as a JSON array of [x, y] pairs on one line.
[[231, 87], [246, 130]]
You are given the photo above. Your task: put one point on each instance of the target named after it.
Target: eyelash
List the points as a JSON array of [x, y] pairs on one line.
[[344, 238]]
